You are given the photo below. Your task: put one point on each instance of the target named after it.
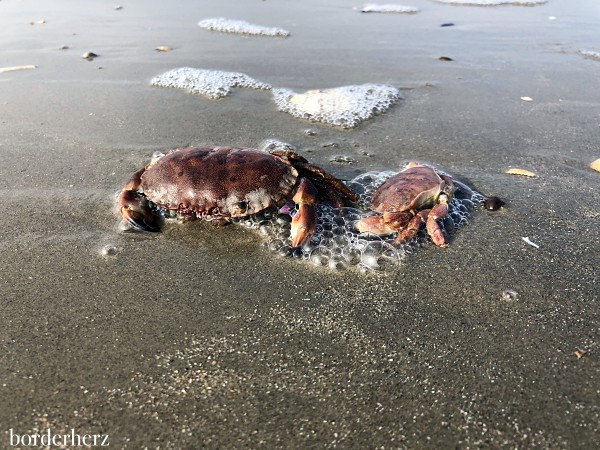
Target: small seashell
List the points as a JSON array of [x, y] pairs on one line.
[[89, 56], [163, 48], [331, 144], [522, 172], [528, 241], [493, 203], [595, 165], [64, 47], [579, 353], [509, 295], [527, 99], [118, 7], [445, 58]]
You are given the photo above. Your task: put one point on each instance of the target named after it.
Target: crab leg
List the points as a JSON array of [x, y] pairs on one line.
[[305, 220], [439, 211], [413, 226], [134, 207]]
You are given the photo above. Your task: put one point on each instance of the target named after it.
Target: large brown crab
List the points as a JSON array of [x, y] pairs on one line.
[[409, 199], [221, 183]]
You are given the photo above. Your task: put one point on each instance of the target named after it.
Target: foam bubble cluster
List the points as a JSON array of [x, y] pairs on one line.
[[376, 8], [272, 145], [345, 106], [589, 54], [240, 27], [493, 2], [337, 245], [210, 83]]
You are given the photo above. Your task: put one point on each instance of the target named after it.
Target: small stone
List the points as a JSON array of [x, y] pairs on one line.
[[109, 250], [343, 159], [163, 48], [89, 56], [445, 58], [493, 203]]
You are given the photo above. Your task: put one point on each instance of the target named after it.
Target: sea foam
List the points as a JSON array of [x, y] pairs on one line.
[[211, 83], [388, 8], [493, 2], [240, 27], [344, 106], [589, 54]]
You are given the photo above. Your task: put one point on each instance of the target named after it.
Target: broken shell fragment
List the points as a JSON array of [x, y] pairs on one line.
[[522, 172], [89, 56], [595, 165], [15, 68], [163, 48], [493, 203]]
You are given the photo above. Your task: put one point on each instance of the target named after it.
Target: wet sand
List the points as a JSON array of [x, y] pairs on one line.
[[201, 336]]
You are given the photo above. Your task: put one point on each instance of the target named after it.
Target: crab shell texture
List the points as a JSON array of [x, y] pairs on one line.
[[228, 181], [416, 188]]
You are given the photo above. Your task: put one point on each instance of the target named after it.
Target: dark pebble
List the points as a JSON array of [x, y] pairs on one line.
[[493, 203], [447, 24], [445, 58]]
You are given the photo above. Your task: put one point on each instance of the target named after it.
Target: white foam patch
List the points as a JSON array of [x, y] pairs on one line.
[[493, 2], [589, 54], [210, 83], [240, 27], [388, 8], [345, 106]]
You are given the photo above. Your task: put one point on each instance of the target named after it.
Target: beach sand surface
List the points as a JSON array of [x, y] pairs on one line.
[[201, 335]]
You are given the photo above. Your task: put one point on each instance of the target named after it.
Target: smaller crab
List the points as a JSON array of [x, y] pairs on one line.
[[416, 196], [219, 184]]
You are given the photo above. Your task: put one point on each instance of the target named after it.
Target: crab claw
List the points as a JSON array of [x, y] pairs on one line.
[[375, 225], [136, 211], [305, 220]]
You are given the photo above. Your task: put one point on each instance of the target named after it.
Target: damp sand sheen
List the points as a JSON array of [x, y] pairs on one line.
[[344, 106]]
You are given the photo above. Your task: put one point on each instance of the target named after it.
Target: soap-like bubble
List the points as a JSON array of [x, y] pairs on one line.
[[240, 27], [345, 106], [211, 83]]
